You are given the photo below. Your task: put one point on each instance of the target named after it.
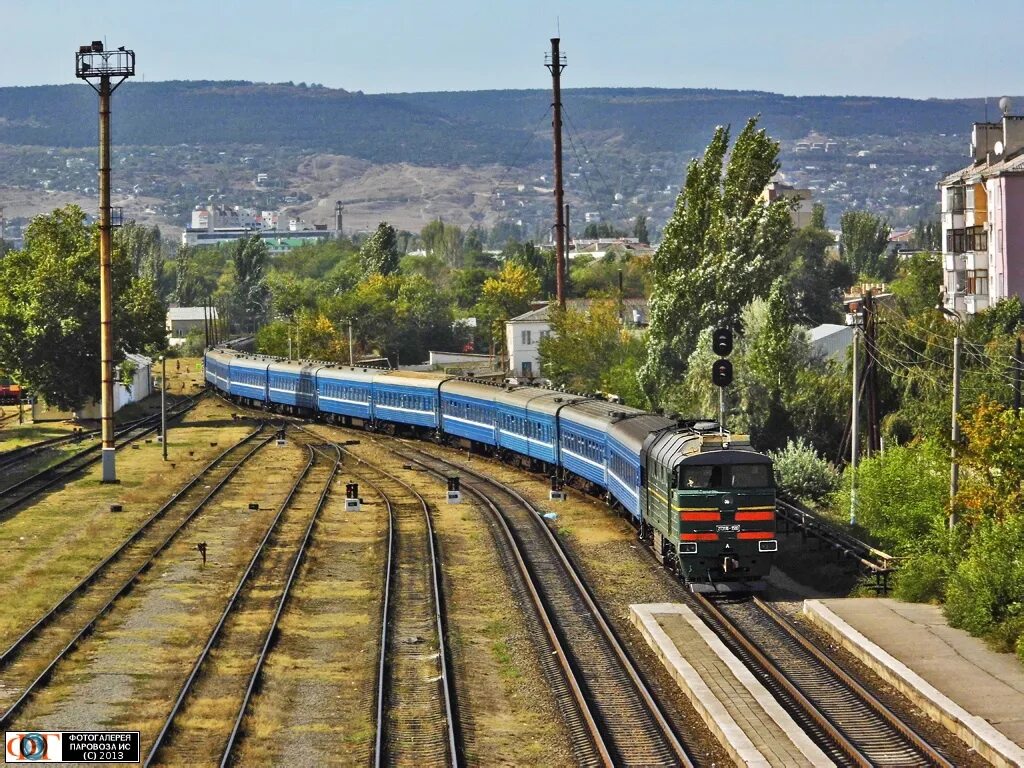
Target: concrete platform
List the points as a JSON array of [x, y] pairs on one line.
[[746, 718], [955, 678]]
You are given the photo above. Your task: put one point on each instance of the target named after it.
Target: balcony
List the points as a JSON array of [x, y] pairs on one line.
[[954, 219], [975, 303], [954, 262], [976, 260]]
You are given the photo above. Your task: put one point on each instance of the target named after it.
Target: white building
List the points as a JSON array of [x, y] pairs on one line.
[[524, 333], [830, 340], [140, 388], [181, 320]]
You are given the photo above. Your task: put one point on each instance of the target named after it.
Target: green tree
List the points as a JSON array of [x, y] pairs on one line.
[[917, 283], [640, 229], [720, 249], [583, 346], [541, 262], [379, 254], [815, 281], [602, 229], [864, 245], [802, 473], [250, 295], [143, 248], [444, 240], [504, 296], [902, 496], [49, 309]]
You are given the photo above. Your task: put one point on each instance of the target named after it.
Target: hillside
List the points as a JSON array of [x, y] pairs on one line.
[[626, 148]]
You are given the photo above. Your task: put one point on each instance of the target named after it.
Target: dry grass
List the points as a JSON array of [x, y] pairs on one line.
[[507, 714], [154, 634], [52, 544]]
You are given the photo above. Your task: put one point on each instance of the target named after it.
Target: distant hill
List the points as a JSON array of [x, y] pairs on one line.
[[626, 148], [444, 127]]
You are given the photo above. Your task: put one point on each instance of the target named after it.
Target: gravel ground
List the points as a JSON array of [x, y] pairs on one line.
[[317, 702], [50, 545], [147, 644], [506, 712]]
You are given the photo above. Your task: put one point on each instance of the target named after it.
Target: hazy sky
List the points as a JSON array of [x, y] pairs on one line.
[[916, 48]]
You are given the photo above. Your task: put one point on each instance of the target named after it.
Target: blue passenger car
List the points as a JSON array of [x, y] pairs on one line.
[[467, 410], [526, 421], [345, 391], [406, 397], [216, 368], [292, 384], [625, 443], [247, 377], [582, 440]]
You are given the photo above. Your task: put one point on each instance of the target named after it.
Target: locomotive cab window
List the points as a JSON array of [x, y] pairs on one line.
[[751, 475], [725, 476]]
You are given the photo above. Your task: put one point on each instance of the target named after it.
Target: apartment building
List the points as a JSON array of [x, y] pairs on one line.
[[983, 220]]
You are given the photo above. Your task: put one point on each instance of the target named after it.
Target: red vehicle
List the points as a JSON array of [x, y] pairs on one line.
[[10, 393]]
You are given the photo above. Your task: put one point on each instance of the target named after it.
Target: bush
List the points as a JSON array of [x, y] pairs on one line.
[[902, 497], [987, 588], [922, 578], [801, 473]]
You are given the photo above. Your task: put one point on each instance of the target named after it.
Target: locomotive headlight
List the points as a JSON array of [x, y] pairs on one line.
[[770, 545], [688, 548]]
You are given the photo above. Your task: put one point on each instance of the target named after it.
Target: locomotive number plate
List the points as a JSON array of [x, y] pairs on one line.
[[734, 528]]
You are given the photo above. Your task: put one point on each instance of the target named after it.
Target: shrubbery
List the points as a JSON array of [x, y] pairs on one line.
[[985, 594], [801, 473], [902, 496]]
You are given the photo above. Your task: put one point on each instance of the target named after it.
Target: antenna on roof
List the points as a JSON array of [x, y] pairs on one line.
[[1005, 105]]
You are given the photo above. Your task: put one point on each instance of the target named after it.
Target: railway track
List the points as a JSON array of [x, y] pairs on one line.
[[231, 662], [849, 723], [28, 488], [617, 721], [28, 662], [415, 719]]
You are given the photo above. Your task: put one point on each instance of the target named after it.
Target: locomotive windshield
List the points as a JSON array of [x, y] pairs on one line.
[[725, 476]]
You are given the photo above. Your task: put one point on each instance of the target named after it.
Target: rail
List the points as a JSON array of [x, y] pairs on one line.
[[67, 602], [627, 723], [215, 634], [256, 676], [848, 722]]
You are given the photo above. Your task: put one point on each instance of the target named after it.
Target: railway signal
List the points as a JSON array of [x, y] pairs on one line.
[[721, 373], [721, 341], [454, 493], [352, 501], [721, 369]]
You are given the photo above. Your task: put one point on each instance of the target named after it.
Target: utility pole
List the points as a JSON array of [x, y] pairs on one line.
[[206, 324], [556, 63], [565, 273], [1016, 378], [854, 437], [954, 467], [93, 63], [350, 357], [871, 373], [163, 403]]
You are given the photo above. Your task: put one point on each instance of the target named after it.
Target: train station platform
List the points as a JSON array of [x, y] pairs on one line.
[[955, 678], [746, 718]]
